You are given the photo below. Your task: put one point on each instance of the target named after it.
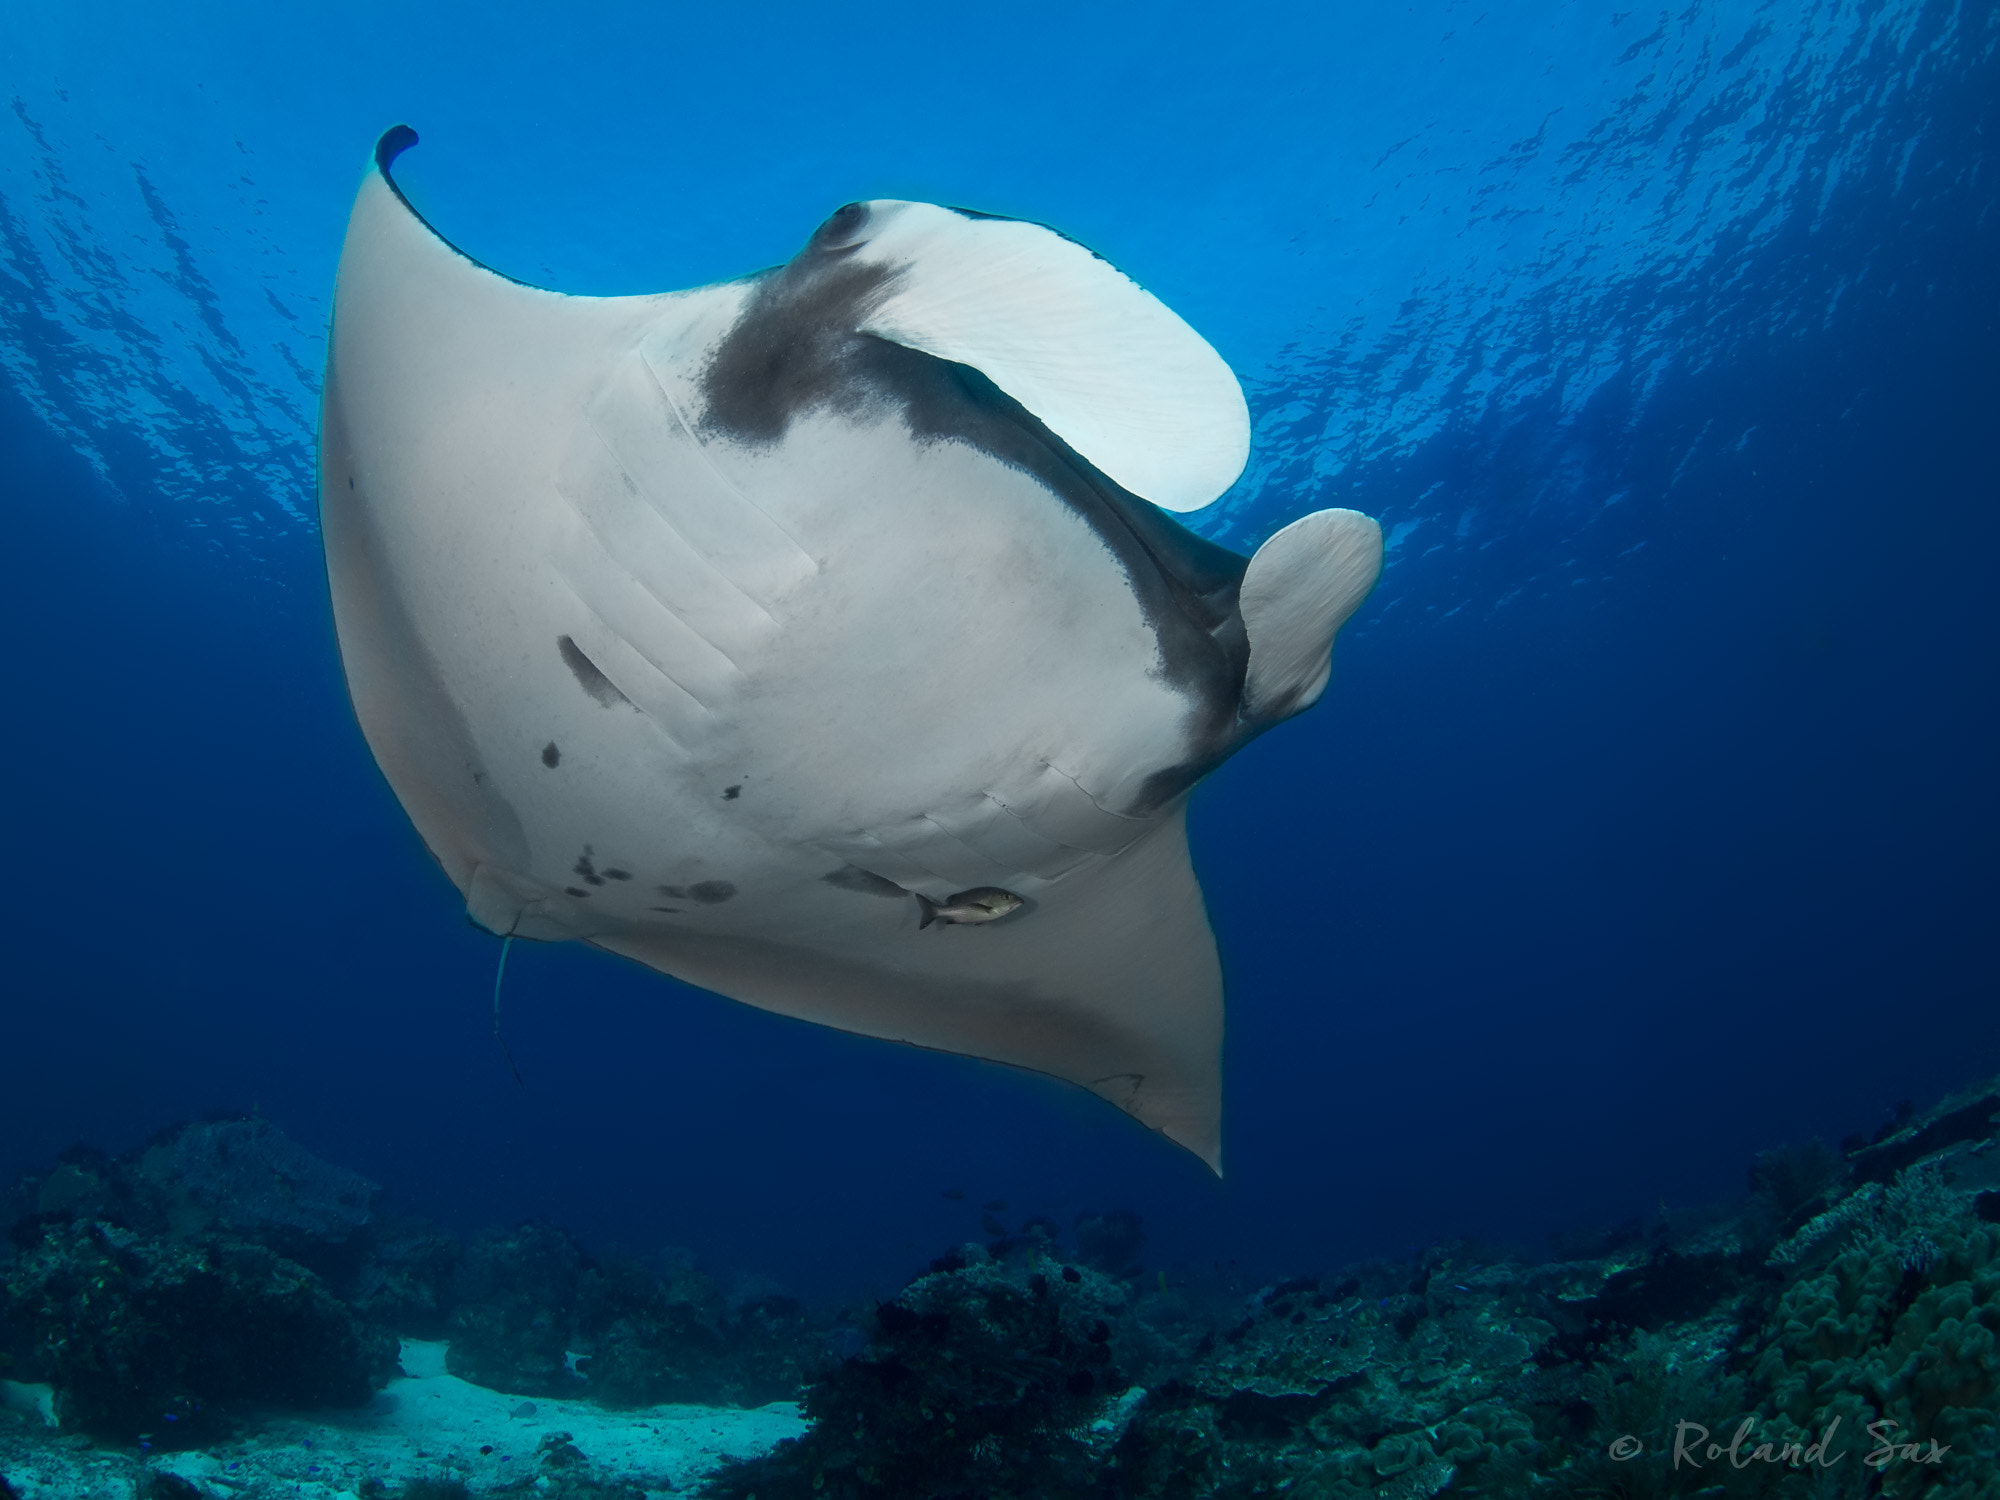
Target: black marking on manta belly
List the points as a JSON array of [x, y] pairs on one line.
[[551, 756], [588, 676], [731, 793], [570, 890], [672, 911], [707, 892], [790, 351], [863, 882], [1169, 782], [617, 874], [586, 869]]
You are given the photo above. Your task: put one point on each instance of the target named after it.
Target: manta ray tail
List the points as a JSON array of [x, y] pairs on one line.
[[500, 973]]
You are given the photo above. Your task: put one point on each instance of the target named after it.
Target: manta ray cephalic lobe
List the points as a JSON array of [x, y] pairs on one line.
[[713, 628]]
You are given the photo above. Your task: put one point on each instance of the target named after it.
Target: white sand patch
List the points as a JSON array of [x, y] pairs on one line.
[[427, 1424]]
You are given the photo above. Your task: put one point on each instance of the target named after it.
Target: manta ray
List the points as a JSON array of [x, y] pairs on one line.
[[824, 638]]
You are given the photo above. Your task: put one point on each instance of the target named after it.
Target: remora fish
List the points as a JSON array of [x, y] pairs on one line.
[[985, 903]]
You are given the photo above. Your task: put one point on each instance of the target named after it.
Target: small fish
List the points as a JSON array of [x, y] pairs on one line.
[[983, 903]]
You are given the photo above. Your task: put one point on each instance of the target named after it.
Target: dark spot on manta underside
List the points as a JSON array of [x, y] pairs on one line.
[[672, 911], [551, 757], [731, 793], [570, 890], [864, 882], [586, 869], [707, 892], [587, 675]]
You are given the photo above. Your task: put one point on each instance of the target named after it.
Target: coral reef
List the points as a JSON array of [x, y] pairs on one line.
[[147, 1335], [156, 1291], [515, 1292], [673, 1337], [222, 1267], [1837, 1335], [987, 1376]]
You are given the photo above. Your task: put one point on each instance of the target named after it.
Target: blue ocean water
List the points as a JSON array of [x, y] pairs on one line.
[[1649, 820]]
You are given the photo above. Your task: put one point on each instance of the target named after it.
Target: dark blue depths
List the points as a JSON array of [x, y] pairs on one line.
[[1648, 823]]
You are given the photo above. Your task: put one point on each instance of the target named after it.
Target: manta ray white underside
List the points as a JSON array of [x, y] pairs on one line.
[[712, 627]]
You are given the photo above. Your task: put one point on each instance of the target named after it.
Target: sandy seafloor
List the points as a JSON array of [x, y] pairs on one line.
[[425, 1424]]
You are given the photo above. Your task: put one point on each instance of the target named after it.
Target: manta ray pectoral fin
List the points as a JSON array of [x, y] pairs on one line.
[[1298, 591], [1112, 983], [1096, 358]]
